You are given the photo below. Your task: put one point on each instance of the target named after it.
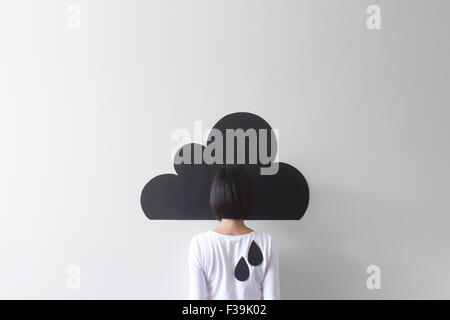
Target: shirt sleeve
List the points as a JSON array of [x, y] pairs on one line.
[[197, 280], [271, 283]]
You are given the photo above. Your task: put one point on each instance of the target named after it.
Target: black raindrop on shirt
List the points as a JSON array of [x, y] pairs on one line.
[[241, 272], [255, 256]]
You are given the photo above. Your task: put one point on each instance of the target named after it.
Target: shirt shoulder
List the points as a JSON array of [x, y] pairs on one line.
[[200, 238], [266, 240], [265, 237]]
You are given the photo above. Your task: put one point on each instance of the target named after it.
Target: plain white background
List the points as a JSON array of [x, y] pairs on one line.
[[86, 118]]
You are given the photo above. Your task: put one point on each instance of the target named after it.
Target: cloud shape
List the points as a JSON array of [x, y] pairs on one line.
[[185, 195]]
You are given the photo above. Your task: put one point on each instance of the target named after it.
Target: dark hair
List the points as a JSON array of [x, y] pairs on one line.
[[232, 194]]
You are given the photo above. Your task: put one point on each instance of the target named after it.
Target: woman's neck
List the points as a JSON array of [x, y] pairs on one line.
[[232, 227]]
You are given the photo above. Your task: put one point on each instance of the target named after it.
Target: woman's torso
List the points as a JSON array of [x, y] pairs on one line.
[[219, 255]]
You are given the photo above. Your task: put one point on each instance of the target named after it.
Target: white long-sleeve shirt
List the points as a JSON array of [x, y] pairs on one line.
[[233, 267]]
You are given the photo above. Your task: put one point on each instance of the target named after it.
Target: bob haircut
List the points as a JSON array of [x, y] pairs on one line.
[[232, 194]]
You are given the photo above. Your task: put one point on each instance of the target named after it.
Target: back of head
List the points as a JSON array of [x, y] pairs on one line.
[[232, 194]]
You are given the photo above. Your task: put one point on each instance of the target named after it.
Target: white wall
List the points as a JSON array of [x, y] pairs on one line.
[[363, 114]]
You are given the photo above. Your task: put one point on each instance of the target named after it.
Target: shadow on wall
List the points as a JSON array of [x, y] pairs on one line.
[[239, 138]]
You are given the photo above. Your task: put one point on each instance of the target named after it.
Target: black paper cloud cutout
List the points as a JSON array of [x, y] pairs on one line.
[[185, 195]]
